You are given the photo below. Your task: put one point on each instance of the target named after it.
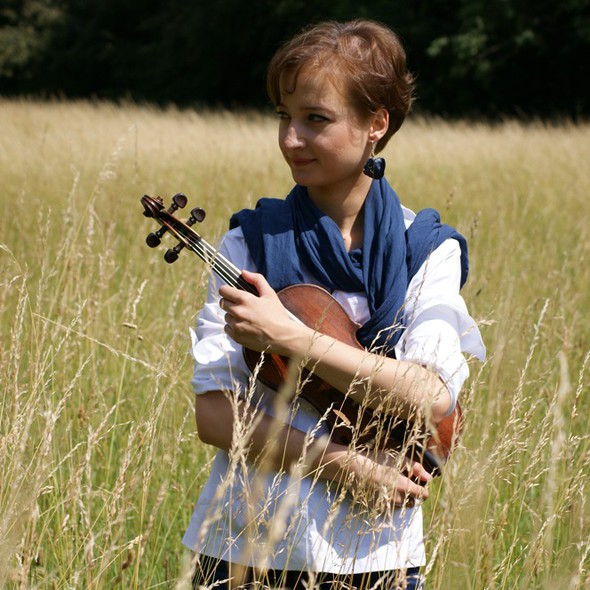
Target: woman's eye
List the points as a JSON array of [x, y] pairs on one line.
[[317, 118], [282, 115]]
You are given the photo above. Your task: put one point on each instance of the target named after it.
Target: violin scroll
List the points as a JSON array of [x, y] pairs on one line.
[[154, 207]]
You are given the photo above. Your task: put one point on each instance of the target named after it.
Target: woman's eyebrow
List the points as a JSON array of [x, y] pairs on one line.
[[318, 107]]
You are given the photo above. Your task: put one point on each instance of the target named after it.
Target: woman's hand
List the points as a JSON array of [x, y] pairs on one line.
[[391, 482], [259, 323], [377, 479]]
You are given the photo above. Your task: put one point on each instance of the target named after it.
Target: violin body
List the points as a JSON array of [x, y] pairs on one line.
[[349, 422]]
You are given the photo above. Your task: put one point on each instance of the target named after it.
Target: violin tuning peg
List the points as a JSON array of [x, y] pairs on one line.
[[198, 214], [171, 254], [180, 200], [153, 240]]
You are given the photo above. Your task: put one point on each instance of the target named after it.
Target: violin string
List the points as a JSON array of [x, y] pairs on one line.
[[212, 258], [220, 265]]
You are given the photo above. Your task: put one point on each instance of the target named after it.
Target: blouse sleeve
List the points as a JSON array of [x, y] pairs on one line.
[[219, 360], [439, 327]]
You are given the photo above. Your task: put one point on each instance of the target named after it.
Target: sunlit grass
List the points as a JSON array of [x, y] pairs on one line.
[[100, 465]]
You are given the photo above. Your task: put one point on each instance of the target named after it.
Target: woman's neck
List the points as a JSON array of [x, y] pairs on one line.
[[345, 207]]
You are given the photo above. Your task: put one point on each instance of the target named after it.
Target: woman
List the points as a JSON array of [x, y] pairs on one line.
[[285, 505]]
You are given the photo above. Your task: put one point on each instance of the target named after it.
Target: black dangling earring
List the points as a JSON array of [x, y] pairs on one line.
[[375, 167]]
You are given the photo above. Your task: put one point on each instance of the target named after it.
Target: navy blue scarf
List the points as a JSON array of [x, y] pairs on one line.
[[286, 236]]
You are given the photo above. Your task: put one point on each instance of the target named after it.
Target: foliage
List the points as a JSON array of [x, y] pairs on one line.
[[471, 56], [26, 29]]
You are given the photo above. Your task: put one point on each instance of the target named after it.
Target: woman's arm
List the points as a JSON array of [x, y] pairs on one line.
[[216, 414], [401, 387], [219, 367]]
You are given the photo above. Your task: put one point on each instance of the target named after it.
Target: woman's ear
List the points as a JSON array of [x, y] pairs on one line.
[[379, 125]]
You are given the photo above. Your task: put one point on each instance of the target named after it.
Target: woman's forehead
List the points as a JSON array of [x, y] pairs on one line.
[[314, 84]]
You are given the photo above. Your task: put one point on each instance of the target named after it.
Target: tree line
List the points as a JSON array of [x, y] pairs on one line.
[[488, 58]]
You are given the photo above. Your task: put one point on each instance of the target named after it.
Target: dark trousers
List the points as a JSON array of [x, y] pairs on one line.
[[216, 574]]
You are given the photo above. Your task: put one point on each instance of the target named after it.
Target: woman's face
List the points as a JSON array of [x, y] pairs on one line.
[[321, 136]]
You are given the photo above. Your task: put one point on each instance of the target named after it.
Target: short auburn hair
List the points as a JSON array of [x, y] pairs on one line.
[[363, 58]]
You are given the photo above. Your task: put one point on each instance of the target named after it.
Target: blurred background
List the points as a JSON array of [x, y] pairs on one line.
[[473, 58]]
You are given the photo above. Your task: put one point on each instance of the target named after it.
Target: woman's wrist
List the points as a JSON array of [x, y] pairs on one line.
[[333, 462], [296, 342]]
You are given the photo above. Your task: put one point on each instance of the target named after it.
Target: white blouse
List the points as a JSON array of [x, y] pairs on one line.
[[286, 522]]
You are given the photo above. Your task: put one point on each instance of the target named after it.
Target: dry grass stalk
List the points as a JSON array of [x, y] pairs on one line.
[[99, 460]]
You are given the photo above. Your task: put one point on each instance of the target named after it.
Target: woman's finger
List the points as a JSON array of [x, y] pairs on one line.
[[258, 280], [418, 471]]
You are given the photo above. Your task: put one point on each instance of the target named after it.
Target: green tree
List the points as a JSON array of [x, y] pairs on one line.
[[476, 57], [511, 56], [26, 35]]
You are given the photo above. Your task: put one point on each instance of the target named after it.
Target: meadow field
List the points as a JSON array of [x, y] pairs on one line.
[[100, 465]]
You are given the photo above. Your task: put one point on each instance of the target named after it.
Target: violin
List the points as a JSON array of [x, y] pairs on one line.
[[349, 422]]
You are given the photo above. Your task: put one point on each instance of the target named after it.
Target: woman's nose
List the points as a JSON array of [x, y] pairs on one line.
[[292, 137]]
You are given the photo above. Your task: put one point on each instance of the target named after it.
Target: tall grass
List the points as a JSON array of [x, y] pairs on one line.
[[100, 465]]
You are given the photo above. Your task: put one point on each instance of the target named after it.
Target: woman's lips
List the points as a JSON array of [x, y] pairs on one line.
[[302, 161]]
